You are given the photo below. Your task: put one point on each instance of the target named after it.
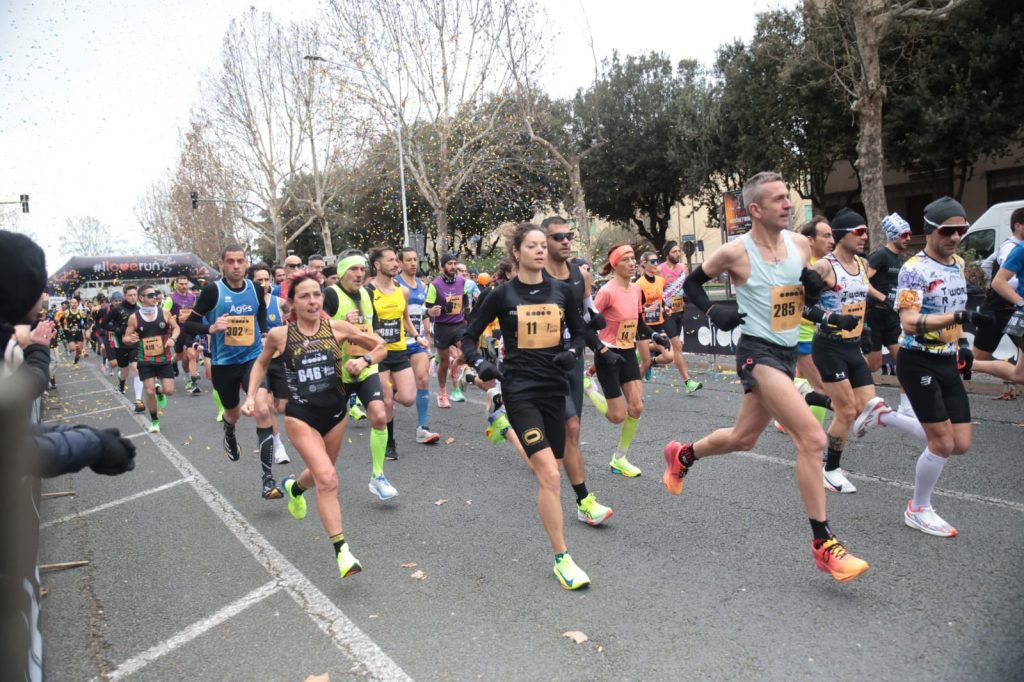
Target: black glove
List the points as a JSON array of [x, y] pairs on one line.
[[609, 358], [964, 359], [865, 340], [725, 318], [845, 322], [661, 339], [890, 300], [565, 361], [487, 370], [118, 454], [597, 321], [979, 319], [813, 286]]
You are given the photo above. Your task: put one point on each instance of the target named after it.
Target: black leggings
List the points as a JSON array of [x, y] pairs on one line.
[[539, 422]]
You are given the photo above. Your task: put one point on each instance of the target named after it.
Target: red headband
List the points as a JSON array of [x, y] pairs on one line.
[[618, 253]]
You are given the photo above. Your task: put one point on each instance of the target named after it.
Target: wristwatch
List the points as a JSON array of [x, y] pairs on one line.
[[368, 360]]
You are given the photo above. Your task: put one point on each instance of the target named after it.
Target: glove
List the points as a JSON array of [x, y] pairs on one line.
[[565, 361], [609, 357], [865, 340], [845, 322], [118, 454], [725, 318], [487, 370], [980, 319], [597, 321], [964, 360], [890, 300], [661, 339], [813, 286]]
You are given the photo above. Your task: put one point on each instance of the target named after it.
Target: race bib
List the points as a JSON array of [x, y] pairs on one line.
[[540, 325], [417, 321], [1015, 326], [390, 330], [183, 314], [353, 349], [856, 309], [678, 304], [951, 334], [787, 307], [153, 346], [453, 304], [652, 313], [241, 330], [626, 336], [316, 373]]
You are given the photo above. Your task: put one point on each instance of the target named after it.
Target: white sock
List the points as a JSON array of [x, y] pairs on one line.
[[905, 401], [137, 384], [929, 468], [277, 441], [904, 423]]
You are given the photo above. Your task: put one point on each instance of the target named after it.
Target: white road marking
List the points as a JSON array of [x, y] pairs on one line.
[[179, 639], [114, 503], [65, 417], [79, 395]]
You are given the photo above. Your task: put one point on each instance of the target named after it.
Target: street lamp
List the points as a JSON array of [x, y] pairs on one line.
[[401, 149]]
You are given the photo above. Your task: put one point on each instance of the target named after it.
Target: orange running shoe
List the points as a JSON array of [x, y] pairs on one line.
[[831, 557], [675, 470]]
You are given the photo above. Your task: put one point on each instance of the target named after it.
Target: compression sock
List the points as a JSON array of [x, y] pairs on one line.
[[929, 468], [216, 400], [819, 413], [265, 437], [600, 402], [422, 406], [629, 429], [154, 416], [297, 488], [378, 444], [137, 385], [338, 540], [816, 399], [195, 379], [121, 384], [581, 492], [904, 423], [822, 532], [391, 432]]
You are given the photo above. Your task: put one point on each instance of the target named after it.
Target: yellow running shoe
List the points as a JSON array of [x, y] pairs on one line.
[[569, 574], [621, 466], [592, 512], [348, 564], [296, 503]]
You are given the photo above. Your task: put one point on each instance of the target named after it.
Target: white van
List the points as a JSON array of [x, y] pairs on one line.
[[989, 230]]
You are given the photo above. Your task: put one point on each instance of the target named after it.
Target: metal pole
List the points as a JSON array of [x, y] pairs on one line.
[[401, 180]]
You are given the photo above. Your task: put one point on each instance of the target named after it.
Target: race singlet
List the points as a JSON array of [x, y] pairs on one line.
[[539, 326], [787, 307]]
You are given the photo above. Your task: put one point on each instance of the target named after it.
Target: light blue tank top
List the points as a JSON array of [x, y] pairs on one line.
[[417, 295], [241, 304], [274, 318], [772, 297]]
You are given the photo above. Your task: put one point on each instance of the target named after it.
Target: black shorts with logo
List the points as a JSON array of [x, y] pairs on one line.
[[934, 387], [396, 361], [840, 360], [612, 377], [539, 422], [321, 418], [885, 327], [126, 355], [276, 380], [447, 335], [149, 370], [368, 390], [673, 325], [752, 351]]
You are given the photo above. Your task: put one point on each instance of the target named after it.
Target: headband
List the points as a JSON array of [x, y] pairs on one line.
[[894, 225], [616, 255], [350, 262]]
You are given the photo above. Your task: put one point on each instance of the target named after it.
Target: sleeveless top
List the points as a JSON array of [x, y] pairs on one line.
[[772, 297], [312, 367], [176, 303], [274, 317], [674, 301], [806, 326], [849, 296], [450, 297], [653, 295], [389, 317], [351, 350], [152, 348], [241, 342], [417, 295]]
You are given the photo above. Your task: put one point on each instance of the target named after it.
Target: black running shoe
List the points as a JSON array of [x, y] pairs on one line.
[[234, 453], [139, 407], [391, 453], [270, 489]]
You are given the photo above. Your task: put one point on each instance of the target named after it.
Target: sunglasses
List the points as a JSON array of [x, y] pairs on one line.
[[652, 261], [859, 232], [950, 230], [293, 265], [147, 295], [906, 235], [561, 236]]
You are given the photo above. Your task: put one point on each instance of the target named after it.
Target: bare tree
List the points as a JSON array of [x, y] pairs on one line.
[[85, 235], [156, 219], [855, 30], [420, 62]]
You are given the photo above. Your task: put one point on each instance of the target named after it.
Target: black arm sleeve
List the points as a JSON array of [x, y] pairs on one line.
[[261, 311], [484, 314], [693, 288], [206, 302], [814, 313], [330, 301]]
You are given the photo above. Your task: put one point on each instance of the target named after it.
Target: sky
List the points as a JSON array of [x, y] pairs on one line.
[[95, 95]]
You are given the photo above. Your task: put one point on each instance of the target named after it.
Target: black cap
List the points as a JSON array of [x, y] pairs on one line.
[[941, 210], [669, 245], [844, 221]]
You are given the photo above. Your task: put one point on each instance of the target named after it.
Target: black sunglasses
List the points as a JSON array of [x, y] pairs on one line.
[[293, 265], [950, 230], [561, 236], [149, 295], [652, 261]]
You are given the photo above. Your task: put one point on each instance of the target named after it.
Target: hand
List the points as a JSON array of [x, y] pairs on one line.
[[890, 300], [813, 285], [661, 339], [131, 338], [964, 361], [487, 370], [597, 321], [725, 318], [352, 317], [865, 340], [845, 322], [170, 342], [219, 325], [43, 333], [565, 361], [609, 358], [355, 366], [434, 311], [249, 407], [980, 319], [118, 454]]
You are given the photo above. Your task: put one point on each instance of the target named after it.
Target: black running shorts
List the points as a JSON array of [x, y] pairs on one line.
[[885, 327], [228, 379], [321, 418], [368, 390], [396, 361], [840, 360], [163, 370], [934, 387], [613, 377], [752, 351], [447, 335], [538, 422], [987, 338]]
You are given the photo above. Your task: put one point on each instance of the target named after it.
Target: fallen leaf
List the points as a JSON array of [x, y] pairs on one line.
[[409, 564], [469, 501], [326, 677], [440, 502], [449, 440], [419, 575], [576, 636]]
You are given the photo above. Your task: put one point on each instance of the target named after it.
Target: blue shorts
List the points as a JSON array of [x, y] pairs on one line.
[[804, 347], [412, 348]]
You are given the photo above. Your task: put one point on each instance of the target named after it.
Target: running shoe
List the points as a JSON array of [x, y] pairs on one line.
[[270, 489], [569, 574], [154, 426], [621, 466], [296, 503], [466, 378], [927, 521], [803, 386], [442, 400], [348, 564], [870, 416], [280, 454], [380, 487], [592, 512], [220, 416], [674, 477], [693, 386], [391, 453], [139, 407], [837, 482], [497, 428], [234, 453], [356, 411], [457, 396], [426, 437], [161, 400], [188, 385], [649, 374], [831, 557], [195, 390]]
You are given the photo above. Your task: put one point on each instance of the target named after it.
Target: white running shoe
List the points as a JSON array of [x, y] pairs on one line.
[[927, 521], [425, 437], [870, 416], [380, 487], [837, 482], [280, 454]]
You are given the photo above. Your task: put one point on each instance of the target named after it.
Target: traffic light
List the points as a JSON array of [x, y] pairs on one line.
[[24, 203], [195, 200]]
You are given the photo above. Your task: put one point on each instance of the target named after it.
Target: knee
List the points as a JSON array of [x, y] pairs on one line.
[[814, 441], [326, 481], [636, 409], [572, 429], [150, 390], [743, 441], [943, 446], [550, 478], [262, 411], [169, 389], [616, 416]]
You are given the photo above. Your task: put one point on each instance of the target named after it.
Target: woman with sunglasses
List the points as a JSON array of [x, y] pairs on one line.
[[655, 349], [931, 296]]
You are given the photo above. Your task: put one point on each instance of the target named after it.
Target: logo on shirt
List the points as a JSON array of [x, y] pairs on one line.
[[926, 380], [243, 309]]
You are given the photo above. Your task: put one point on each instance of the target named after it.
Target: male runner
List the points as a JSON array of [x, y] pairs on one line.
[[180, 304], [1009, 284], [768, 267], [1000, 304], [674, 274], [658, 348], [419, 354], [73, 324], [446, 303], [155, 333], [123, 306], [277, 316], [884, 322]]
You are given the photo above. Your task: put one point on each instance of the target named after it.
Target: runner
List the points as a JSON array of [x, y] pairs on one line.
[[1000, 302], [180, 304], [674, 274], [154, 332], [1009, 285], [446, 303], [656, 349], [349, 301], [123, 306], [819, 236], [392, 323], [534, 311], [419, 355], [620, 303], [930, 297], [277, 313], [239, 314], [73, 323], [768, 267], [310, 347], [557, 266]]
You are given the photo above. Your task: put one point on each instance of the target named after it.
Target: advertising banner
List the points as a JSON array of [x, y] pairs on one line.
[[81, 269]]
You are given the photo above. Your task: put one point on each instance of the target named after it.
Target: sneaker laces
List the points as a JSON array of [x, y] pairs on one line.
[[835, 548]]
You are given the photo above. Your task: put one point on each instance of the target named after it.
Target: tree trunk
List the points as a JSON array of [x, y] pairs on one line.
[[441, 221], [325, 230], [579, 211], [280, 248], [868, 108]]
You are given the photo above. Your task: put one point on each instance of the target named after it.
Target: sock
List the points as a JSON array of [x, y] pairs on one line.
[[819, 413], [687, 456], [581, 492], [832, 459], [904, 423], [391, 433], [422, 406], [559, 555], [929, 468], [277, 441], [120, 384], [137, 385], [629, 428], [78, 355], [600, 402], [821, 531], [378, 444], [905, 401], [297, 488], [338, 540], [195, 379], [265, 438], [816, 399], [216, 400], [154, 416]]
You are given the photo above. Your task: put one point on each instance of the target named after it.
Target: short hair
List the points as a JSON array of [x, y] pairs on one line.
[[407, 249], [253, 269], [553, 220], [752, 187], [315, 256], [330, 271], [1016, 217], [145, 287], [129, 287], [647, 254], [377, 252], [231, 247], [181, 277], [810, 228]]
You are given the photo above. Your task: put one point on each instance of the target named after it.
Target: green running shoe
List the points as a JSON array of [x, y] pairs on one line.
[[154, 426], [621, 466], [348, 564], [296, 503], [568, 573], [592, 512], [692, 385], [161, 400], [495, 431], [456, 395], [220, 416], [357, 412]]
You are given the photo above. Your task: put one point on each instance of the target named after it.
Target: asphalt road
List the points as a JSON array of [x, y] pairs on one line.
[[193, 576]]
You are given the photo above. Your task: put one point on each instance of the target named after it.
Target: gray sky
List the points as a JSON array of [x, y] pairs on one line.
[[97, 92]]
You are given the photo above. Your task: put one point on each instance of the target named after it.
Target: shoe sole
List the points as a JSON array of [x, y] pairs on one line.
[[860, 425], [576, 586], [593, 522], [429, 441], [842, 577], [620, 472], [843, 491], [381, 497], [355, 569], [907, 519], [274, 494]]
